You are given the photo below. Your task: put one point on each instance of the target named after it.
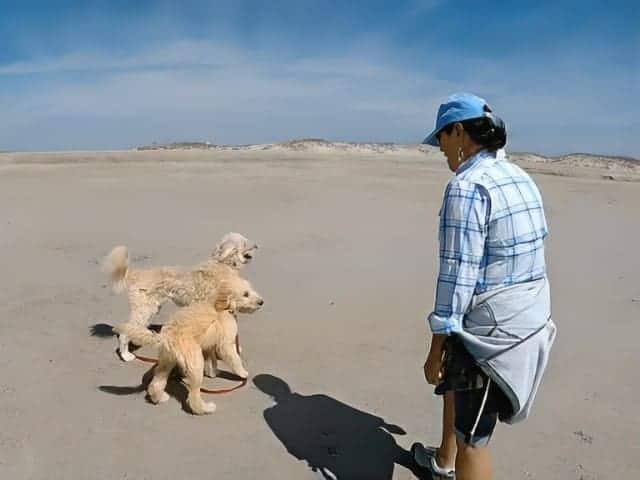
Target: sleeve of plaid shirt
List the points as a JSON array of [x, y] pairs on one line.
[[463, 226]]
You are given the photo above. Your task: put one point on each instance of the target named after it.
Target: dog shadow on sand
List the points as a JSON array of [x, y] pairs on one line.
[[104, 330], [337, 441], [175, 388], [101, 330]]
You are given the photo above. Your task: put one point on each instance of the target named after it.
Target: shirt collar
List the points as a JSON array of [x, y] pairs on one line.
[[477, 158]]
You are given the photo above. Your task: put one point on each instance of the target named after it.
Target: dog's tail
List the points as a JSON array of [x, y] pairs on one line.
[[139, 335], [116, 264]]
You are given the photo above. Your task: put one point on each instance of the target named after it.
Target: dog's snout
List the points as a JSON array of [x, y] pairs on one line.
[[261, 302]]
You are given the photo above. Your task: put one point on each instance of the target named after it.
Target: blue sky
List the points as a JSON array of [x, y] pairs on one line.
[[565, 76]]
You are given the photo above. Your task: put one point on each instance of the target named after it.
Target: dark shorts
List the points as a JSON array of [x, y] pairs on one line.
[[479, 402], [475, 422]]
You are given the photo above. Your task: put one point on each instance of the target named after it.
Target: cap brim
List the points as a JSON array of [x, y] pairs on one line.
[[432, 139]]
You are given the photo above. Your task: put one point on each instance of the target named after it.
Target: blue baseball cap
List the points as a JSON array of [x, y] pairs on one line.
[[458, 107]]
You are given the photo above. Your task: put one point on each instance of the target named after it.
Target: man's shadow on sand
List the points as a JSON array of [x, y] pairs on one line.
[[336, 440]]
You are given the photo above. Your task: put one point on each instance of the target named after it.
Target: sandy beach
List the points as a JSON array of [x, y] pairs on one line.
[[347, 266]]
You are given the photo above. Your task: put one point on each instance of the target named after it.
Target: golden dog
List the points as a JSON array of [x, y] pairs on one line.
[[197, 334], [149, 289]]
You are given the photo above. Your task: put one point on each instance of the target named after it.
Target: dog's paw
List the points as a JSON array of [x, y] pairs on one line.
[[126, 356], [205, 408], [243, 374], [163, 398], [208, 407]]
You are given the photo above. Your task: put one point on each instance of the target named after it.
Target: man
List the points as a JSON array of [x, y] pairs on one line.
[[491, 325]]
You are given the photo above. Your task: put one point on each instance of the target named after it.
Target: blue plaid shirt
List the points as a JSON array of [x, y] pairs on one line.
[[492, 227]]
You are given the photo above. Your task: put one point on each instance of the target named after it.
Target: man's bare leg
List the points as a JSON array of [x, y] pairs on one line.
[[473, 463], [446, 456]]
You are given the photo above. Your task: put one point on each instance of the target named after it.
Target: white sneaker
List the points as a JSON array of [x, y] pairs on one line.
[[425, 457]]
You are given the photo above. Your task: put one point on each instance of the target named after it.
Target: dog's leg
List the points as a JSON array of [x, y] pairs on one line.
[[193, 372], [156, 388], [123, 349], [142, 309], [230, 356], [210, 363]]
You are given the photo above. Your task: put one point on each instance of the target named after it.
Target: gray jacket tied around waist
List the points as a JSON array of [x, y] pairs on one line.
[[509, 332]]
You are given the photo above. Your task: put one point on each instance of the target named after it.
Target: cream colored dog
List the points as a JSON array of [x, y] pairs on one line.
[[149, 289], [197, 334]]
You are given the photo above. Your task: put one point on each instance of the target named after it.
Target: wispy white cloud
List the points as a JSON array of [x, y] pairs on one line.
[[174, 55], [226, 94], [220, 92]]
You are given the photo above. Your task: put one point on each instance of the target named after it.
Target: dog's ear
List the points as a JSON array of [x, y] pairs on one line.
[[222, 300], [225, 252], [225, 300], [233, 306]]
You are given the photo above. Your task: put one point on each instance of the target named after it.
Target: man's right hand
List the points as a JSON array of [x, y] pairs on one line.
[[433, 368], [433, 365]]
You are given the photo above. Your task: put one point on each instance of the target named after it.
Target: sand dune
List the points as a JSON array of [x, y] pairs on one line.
[[572, 165]]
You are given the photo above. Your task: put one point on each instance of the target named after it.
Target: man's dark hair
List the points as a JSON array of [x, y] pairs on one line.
[[489, 131]]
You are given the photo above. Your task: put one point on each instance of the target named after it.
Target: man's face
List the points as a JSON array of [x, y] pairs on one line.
[[449, 144]]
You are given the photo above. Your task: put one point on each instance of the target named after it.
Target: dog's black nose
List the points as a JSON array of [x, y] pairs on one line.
[[261, 302]]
